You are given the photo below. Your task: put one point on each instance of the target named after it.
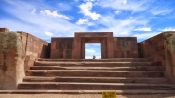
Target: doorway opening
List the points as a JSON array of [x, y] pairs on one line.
[[92, 50]]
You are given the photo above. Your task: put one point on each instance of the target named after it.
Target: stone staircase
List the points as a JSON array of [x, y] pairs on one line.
[[122, 74]]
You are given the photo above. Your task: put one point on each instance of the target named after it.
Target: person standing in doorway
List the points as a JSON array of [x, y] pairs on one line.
[[94, 57]]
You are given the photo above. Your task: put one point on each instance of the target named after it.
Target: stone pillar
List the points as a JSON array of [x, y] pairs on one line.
[[11, 60], [82, 49], [170, 56], [104, 49], [76, 54], [54, 54], [110, 46]]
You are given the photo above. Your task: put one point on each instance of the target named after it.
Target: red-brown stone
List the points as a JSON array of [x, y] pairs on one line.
[[4, 30], [111, 47]]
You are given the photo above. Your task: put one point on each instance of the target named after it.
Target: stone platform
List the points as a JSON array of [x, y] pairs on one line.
[[80, 76], [81, 96]]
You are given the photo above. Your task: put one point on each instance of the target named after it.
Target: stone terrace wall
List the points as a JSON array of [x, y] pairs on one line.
[[126, 47], [170, 55], [11, 60], [34, 48], [18, 50], [61, 48], [154, 49], [161, 49]]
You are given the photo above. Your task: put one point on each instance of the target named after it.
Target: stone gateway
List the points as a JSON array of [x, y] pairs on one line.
[[29, 65], [111, 47]]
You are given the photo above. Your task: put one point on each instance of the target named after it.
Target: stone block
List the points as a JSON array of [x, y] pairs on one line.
[[4, 30], [12, 56], [18, 51]]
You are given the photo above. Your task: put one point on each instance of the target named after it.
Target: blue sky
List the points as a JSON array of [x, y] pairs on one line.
[[47, 18], [92, 49]]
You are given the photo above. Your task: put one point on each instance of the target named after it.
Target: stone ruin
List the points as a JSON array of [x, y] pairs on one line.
[[30, 63]]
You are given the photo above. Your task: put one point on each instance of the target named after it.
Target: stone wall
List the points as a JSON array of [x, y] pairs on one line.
[[18, 50], [61, 48], [154, 49], [34, 48], [161, 50], [170, 55], [11, 60], [126, 47]]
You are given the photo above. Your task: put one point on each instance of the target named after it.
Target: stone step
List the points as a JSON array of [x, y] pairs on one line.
[[93, 64], [95, 79], [93, 86], [129, 68], [118, 92], [99, 60], [97, 73]]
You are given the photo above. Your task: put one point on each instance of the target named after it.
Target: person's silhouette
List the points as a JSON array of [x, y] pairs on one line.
[[94, 57]]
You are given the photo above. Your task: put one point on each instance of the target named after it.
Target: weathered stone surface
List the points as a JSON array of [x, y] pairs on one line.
[[34, 48], [11, 60], [161, 49], [170, 55], [95, 75], [18, 50], [61, 47], [4, 30], [126, 47], [85, 95], [105, 38], [154, 49], [111, 47]]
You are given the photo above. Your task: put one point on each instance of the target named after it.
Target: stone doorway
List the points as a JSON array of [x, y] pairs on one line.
[[111, 47], [105, 39], [93, 49]]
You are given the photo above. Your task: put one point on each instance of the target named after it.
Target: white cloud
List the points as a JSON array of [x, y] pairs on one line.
[[86, 9], [39, 23], [82, 21], [121, 27], [90, 51], [158, 11], [36, 23], [117, 12], [50, 34], [142, 36], [145, 29], [169, 29], [54, 14], [33, 11], [129, 5], [90, 0]]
